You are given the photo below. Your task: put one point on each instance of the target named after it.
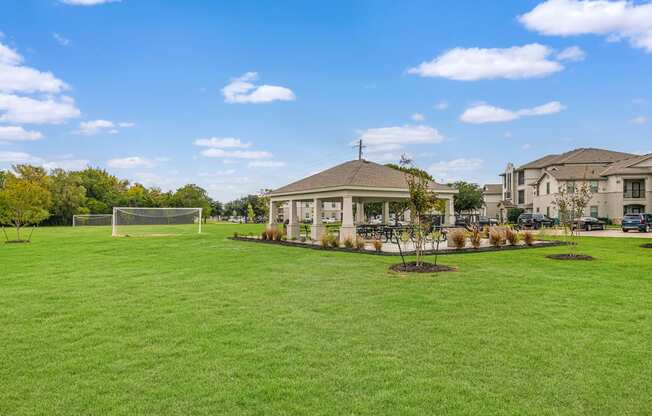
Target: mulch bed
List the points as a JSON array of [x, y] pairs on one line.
[[583, 257], [16, 241], [411, 267], [648, 245]]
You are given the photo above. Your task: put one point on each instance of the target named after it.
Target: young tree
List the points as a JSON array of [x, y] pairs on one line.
[[571, 203], [468, 198], [68, 196], [192, 196], [24, 200], [251, 216], [422, 201]]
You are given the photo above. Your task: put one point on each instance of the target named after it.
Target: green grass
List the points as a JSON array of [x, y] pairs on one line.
[[203, 325]]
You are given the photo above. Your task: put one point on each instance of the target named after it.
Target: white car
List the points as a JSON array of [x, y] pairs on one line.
[[328, 220]]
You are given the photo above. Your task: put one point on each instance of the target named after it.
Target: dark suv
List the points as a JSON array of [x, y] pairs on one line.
[[534, 220], [640, 222]]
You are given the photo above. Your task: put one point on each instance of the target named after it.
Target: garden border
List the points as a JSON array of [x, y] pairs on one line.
[[544, 244]]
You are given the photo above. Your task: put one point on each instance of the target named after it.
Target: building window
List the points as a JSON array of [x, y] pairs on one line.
[[521, 178], [547, 188], [594, 211], [537, 209], [521, 197], [333, 205], [570, 187], [594, 186]]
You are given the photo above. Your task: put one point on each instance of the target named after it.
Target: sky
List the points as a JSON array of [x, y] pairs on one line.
[[241, 96]]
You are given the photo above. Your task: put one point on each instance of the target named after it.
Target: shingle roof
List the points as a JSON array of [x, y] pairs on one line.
[[578, 156], [626, 166], [493, 188], [571, 172], [355, 173]]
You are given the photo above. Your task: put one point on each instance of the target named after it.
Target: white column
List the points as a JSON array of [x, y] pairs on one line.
[[317, 229], [359, 213], [450, 212], [293, 222], [348, 227], [386, 212], [272, 213]]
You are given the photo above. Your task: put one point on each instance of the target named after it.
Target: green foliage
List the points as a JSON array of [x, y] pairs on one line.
[[513, 214], [68, 197], [24, 200], [251, 216], [412, 170], [469, 196]]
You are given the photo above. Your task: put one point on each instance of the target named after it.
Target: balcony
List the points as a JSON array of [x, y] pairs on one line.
[[634, 189]]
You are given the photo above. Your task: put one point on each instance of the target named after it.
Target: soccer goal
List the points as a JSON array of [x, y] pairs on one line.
[[156, 221], [83, 220]]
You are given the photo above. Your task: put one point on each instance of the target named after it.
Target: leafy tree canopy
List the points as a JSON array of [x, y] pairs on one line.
[[468, 198]]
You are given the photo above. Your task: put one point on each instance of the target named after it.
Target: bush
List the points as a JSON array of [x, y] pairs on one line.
[[334, 241], [476, 237], [325, 240], [528, 237], [348, 242], [378, 245], [278, 236], [513, 213], [263, 235], [513, 237], [359, 243], [496, 237], [302, 239], [235, 234], [457, 237]]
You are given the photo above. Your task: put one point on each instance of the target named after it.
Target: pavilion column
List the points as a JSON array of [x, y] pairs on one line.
[[318, 228], [273, 213], [386, 212], [347, 230], [450, 212], [293, 223], [359, 213]]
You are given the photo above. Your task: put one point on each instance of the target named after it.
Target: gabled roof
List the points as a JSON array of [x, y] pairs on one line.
[[628, 166], [578, 156], [493, 188], [576, 172], [355, 174]]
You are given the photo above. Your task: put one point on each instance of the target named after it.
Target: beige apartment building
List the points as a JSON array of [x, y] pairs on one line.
[[492, 195], [621, 182]]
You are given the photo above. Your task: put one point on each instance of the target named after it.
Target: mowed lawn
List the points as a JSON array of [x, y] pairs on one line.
[[202, 325]]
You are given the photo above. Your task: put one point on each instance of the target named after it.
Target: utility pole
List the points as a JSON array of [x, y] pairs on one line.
[[360, 150]]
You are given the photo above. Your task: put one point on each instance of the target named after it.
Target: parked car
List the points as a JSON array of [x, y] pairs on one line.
[[486, 221], [640, 222], [534, 220], [588, 224], [328, 220]]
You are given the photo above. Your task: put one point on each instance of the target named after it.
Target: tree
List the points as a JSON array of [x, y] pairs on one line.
[[24, 200], [422, 201], [513, 214], [250, 213], [468, 198], [192, 196], [68, 196], [103, 190], [410, 169], [571, 203]]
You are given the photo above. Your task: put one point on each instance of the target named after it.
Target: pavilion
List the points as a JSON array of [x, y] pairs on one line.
[[354, 182]]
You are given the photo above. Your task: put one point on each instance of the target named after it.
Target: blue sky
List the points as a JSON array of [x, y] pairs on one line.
[[239, 96]]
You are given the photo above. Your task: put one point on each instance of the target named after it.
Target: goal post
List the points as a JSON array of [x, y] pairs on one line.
[[81, 220], [130, 221]]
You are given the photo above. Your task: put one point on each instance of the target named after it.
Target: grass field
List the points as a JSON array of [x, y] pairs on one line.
[[202, 325]]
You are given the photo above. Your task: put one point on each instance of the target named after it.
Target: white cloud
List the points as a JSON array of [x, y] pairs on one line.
[[454, 169], [222, 143], [526, 146], [88, 2], [17, 133], [614, 19], [484, 113], [243, 90], [418, 117], [399, 136], [130, 162], [14, 77], [441, 105], [236, 154], [507, 135], [639, 120], [518, 62], [19, 157], [93, 127], [68, 164], [266, 164], [573, 54], [17, 109], [60, 39], [218, 173]]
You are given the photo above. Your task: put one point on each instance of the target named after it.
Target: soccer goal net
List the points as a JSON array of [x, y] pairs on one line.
[[156, 221], [83, 220]]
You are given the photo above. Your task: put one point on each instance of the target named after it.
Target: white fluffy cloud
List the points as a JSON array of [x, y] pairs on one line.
[[93, 127], [236, 154], [266, 164], [400, 135], [614, 19], [441, 105], [130, 162], [88, 2], [243, 90], [17, 133], [15, 77], [472, 64], [418, 117], [67, 164], [19, 157], [61, 40], [484, 113], [454, 169], [636, 120], [18, 109], [572, 54], [222, 143]]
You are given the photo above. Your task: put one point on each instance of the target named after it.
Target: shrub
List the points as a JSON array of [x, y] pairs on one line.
[[348, 242], [457, 238], [496, 237], [263, 235], [278, 236], [378, 245], [235, 234], [528, 237], [359, 243], [512, 236], [476, 237], [302, 239], [325, 240], [334, 241]]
